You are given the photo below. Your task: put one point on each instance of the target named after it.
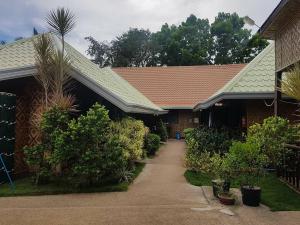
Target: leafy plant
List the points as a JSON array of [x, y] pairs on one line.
[[152, 143], [130, 133], [247, 162], [291, 85], [271, 137], [161, 130]]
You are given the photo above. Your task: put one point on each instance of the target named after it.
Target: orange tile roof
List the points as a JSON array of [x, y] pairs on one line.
[[179, 86]]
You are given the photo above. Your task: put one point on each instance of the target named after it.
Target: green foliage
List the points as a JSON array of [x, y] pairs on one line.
[[202, 144], [199, 162], [88, 149], [247, 162], [271, 136], [161, 130], [193, 42], [130, 133], [291, 85], [152, 143], [206, 139]]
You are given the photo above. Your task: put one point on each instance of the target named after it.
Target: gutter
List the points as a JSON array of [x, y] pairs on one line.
[[233, 96], [99, 89]]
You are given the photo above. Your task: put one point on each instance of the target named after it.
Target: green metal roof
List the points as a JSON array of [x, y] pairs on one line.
[[17, 59], [254, 81]]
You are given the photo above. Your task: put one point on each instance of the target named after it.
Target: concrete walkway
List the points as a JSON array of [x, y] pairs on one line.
[[160, 195]]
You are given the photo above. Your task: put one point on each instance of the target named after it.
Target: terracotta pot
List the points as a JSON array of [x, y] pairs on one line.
[[226, 199]]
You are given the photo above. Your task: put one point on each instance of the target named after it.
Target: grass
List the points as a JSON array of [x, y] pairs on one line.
[[25, 187], [275, 194]]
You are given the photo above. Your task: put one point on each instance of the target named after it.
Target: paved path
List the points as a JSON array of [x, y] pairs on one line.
[[160, 195]]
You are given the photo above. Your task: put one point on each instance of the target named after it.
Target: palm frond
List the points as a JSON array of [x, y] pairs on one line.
[[44, 61], [61, 79], [291, 84], [61, 21]]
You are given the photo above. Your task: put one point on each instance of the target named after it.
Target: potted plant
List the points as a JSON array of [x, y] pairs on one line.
[[221, 183], [248, 162], [226, 198]]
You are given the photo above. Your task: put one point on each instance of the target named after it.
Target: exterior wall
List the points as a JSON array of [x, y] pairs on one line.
[[287, 44], [178, 120], [257, 111], [28, 98]]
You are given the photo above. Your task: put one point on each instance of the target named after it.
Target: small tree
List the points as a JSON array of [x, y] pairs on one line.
[[247, 162], [271, 137]]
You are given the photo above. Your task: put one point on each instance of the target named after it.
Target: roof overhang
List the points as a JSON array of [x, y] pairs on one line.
[[278, 17], [102, 91], [173, 107], [233, 96]]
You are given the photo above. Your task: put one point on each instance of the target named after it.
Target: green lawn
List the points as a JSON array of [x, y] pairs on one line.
[[24, 187], [275, 194]]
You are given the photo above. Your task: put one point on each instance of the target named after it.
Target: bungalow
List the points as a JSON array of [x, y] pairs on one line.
[[179, 88], [249, 97], [90, 84]]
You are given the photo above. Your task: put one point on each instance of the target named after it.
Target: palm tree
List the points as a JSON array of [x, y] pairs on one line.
[[291, 83], [44, 64], [61, 22]]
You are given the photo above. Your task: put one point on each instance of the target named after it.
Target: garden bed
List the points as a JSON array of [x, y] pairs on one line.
[[25, 187], [275, 194]]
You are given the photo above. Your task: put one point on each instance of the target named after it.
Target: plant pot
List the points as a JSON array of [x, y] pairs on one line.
[[226, 198], [251, 195], [220, 186]]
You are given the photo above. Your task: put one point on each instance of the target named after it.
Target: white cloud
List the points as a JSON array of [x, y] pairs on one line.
[[104, 19]]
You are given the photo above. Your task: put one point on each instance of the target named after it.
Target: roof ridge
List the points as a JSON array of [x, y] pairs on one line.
[[166, 67]]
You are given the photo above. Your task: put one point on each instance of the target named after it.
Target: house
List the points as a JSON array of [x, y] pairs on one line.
[[249, 97], [90, 84], [178, 89], [283, 26]]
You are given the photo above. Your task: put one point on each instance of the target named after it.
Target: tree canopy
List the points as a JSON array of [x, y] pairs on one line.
[[194, 42]]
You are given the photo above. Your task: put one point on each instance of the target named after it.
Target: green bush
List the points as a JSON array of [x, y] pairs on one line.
[[204, 142], [130, 133], [271, 136], [200, 162], [246, 162], [161, 130], [206, 139], [84, 151], [152, 143]]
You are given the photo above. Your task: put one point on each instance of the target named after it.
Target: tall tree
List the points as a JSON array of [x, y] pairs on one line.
[[188, 44], [193, 42], [233, 43], [132, 48], [100, 52]]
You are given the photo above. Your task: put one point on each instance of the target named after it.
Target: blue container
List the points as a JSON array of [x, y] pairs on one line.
[[178, 136]]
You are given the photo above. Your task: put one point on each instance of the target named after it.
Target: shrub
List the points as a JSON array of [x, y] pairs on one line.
[[130, 133], [161, 130], [201, 162], [86, 149], [206, 139], [271, 136], [152, 143], [246, 161]]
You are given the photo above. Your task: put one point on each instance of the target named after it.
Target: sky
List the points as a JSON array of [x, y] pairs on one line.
[[105, 19]]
